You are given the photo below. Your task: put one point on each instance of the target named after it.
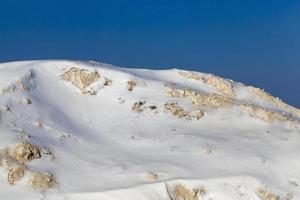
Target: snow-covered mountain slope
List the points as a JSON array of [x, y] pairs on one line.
[[86, 130]]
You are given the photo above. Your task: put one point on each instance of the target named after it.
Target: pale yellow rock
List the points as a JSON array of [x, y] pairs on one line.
[[130, 85], [152, 177], [266, 115], [81, 78], [223, 86], [176, 110], [15, 170], [275, 100], [25, 152], [212, 100], [181, 192], [266, 195], [197, 114], [41, 181], [15, 174]]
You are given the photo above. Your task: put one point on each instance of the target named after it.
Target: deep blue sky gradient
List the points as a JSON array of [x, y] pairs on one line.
[[253, 41]]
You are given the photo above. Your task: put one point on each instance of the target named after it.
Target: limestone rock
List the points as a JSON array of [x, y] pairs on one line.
[[81, 78], [266, 195], [15, 174], [42, 181], [223, 86], [25, 152], [130, 85]]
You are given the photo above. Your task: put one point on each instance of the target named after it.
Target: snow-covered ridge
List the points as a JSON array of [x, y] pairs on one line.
[[88, 130]]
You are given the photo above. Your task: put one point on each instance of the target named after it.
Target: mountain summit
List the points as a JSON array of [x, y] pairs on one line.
[[88, 130]]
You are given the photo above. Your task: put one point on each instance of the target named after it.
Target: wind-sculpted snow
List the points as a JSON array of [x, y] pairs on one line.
[[88, 130]]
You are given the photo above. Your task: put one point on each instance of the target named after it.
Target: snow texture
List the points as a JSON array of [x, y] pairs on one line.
[[72, 130]]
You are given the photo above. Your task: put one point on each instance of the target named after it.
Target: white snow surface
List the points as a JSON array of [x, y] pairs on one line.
[[105, 150]]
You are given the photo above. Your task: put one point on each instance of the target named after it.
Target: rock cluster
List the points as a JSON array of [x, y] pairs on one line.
[[211, 100], [16, 160], [141, 106], [214, 101], [24, 84], [174, 108], [178, 111]]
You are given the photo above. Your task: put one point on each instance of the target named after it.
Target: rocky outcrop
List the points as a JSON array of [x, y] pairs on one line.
[[81, 78], [15, 173], [182, 192], [179, 112], [15, 162], [130, 85], [141, 106], [176, 110], [214, 101], [25, 152], [211, 100], [42, 181], [225, 87], [275, 100], [23, 83], [267, 115], [266, 195]]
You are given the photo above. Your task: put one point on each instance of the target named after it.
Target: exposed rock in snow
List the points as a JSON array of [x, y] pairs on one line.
[[81, 78], [151, 177], [25, 152], [269, 98], [130, 85], [141, 106], [219, 101], [15, 173], [42, 181], [176, 110], [223, 86], [181, 192], [107, 82], [266, 195], [23, 83], [203, 99], [267, 115]]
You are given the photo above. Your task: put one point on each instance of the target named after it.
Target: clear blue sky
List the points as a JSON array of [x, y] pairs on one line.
[[253, 41]]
